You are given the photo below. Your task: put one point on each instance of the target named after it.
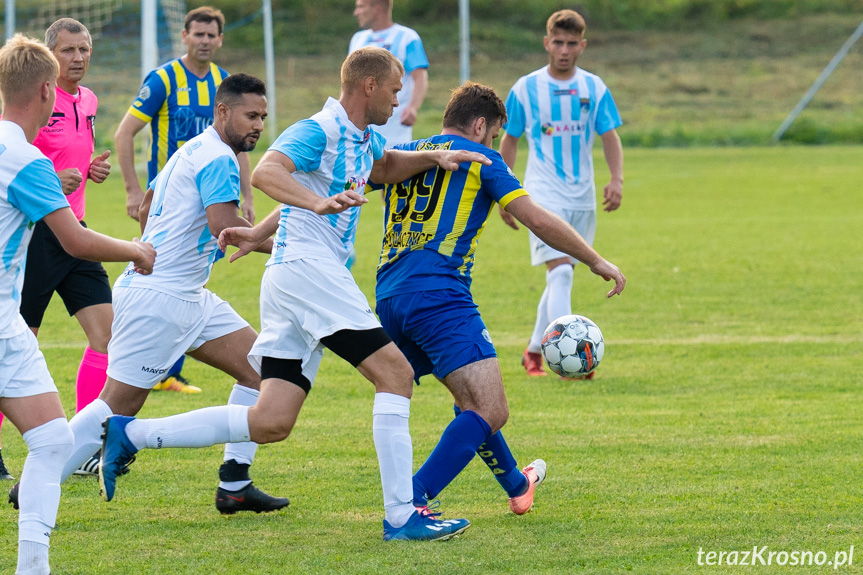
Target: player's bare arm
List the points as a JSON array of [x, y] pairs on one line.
[[85, 244], [247, 201], [508, 151], [124, 140], [254, 239], [144, 209], [100, 167], [552, 230], [398, 165], [613, 150], [420, 77], [274, 176]]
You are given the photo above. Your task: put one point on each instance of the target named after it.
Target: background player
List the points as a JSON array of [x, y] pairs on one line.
[[176, 100], [433, 223], [561, 107], [30, 191], [375, 17], [190, 202], [318, 168]]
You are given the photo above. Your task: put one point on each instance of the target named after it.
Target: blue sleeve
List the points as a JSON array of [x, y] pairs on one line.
[[498, 181], [515, 117], [607, 116], [378, 145], [36, 190], [219, 182], [151, 96], [304, 143], [415, 56]]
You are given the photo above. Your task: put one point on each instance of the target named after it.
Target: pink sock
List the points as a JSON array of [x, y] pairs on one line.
[[91, 377]]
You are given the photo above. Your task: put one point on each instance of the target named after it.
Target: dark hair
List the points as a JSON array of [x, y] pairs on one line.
[[565, 21], [472, 101], [233, 87], [205, 15]]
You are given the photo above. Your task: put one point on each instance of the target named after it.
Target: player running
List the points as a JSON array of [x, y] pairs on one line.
[[433, 223], [30, 191], [188, 204], [318, 168]]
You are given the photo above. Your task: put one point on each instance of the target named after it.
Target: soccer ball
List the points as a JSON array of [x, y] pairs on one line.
[[572, 346]]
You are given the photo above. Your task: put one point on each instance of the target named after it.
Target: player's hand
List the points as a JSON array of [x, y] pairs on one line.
[[451, 159], [507, 218], [613, 194], [340, 202], [409, 116], [608, 271], [143, 262], [100, 168], [70, 179], [247, 208], [134, 197], [244, 239]]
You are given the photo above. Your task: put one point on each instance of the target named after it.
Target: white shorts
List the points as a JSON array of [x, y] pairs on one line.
[[303, 301], [583, 221], [151, 330], [23, 371]]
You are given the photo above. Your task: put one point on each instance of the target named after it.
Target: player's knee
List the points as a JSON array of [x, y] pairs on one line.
[[496, 416], [54, 437], [272, 432]]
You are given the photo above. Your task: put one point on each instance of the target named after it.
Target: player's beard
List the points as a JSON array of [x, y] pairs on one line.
[[239, 142]]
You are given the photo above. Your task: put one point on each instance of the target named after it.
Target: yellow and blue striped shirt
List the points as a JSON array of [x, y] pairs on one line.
[[178, 105], [434, 220]]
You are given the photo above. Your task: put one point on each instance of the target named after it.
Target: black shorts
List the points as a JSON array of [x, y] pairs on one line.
[[80, 283]]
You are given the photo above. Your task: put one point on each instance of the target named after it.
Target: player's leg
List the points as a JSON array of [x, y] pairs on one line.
[[96, 321], [391, 374], [4, 473], [229, 353], [30, 401]]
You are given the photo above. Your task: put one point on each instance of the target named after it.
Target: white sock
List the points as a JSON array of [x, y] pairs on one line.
[[199, 428], [32, 559], [39, 493], [559, 282], [243, 453], [395, 455], [542, 321], [87, 428]]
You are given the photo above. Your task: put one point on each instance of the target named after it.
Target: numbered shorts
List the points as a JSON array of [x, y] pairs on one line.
[[23, 371], [303, 301], [583, 221], [151, 330], [438, 331], [79, 283]]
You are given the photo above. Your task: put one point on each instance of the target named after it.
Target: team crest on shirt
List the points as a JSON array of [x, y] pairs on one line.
[[355, 184], [585, 104], [144, 93]]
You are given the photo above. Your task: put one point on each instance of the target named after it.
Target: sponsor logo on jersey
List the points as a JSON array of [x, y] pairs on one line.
[[561, 128], [566, 92], [355, 184], [156, 370]]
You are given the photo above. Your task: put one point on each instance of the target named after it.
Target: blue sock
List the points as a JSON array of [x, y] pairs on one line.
[[177, 367], [497, 455], [456, 448]]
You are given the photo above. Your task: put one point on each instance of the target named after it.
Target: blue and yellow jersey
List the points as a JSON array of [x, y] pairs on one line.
[[178, 105], [434, 220]]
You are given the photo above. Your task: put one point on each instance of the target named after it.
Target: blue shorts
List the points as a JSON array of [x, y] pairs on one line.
[[439, 331]]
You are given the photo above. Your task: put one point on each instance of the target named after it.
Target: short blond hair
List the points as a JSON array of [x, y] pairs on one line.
[[368, 62], [24, 64]]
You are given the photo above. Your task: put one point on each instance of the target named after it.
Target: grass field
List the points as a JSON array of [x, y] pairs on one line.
[[727, 412]]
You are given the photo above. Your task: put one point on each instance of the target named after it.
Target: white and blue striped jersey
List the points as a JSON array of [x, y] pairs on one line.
[[406, 45], [29, 191], [560, 120], [203, 172], [332, 155]]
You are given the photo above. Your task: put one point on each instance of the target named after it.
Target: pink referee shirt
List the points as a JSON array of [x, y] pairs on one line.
[[68, 139]]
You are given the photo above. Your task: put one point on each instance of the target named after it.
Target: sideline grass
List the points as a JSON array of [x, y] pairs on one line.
[[727, 413]]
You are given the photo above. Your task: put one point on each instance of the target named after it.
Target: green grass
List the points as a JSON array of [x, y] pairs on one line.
[[726, 414]]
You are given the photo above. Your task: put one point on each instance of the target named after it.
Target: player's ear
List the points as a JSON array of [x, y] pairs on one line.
[[480, 127], [370, 85]]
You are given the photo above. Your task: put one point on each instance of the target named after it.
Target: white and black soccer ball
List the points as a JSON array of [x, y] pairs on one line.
[[572, 346]]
